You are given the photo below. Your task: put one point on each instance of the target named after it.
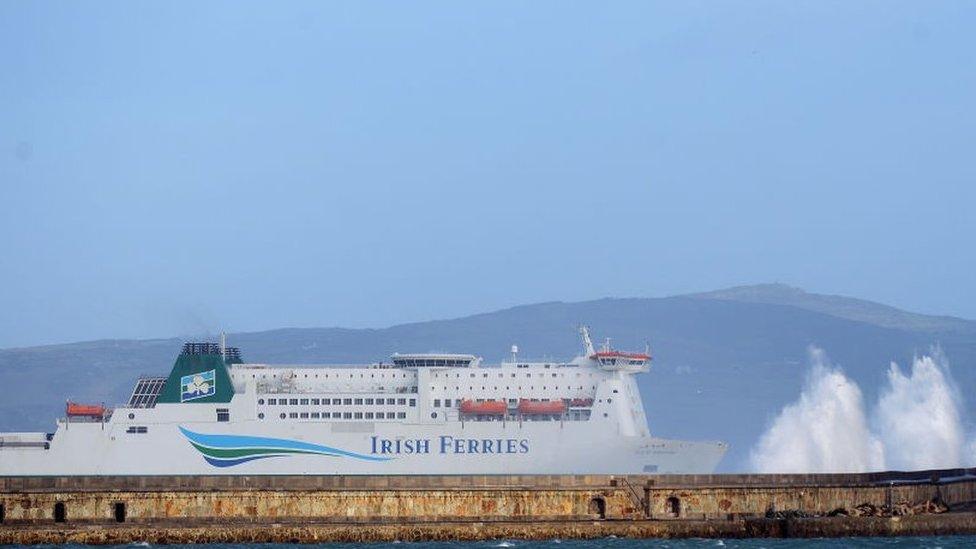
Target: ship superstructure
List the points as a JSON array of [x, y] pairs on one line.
[[426, 413]]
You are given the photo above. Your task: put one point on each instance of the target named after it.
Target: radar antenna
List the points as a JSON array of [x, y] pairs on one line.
[[587, 342]]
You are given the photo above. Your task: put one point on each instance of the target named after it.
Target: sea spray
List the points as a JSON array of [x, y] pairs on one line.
[[916, 423], [824, 431], [918, 418]]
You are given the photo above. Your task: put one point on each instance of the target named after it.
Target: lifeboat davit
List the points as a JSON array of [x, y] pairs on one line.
[[489, 407], [73, 409], [529, 407]]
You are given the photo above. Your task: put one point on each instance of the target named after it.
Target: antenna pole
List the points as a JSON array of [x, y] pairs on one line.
[[587, 343]]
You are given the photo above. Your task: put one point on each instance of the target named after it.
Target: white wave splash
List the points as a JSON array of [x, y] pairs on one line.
[[918, 416], [916, 423], [824, 431]]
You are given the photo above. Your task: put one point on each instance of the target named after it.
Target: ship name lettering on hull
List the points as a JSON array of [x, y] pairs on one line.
[[446, 444]]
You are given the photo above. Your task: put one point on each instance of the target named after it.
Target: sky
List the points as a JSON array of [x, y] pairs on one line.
[[173, 168]]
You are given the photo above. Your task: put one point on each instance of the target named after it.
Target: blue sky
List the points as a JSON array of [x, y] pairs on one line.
[[173, 167]]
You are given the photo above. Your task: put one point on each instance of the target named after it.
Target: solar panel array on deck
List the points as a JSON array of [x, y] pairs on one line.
[[146, 392]]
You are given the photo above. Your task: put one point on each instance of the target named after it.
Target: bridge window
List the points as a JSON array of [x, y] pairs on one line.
[[223, 414]]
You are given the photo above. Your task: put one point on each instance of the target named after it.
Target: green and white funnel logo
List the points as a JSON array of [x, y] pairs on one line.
[[199, 385]]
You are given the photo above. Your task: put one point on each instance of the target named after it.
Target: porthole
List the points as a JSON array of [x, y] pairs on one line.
[[260, 401], [433, 415], [132, 416], [283, 416], [261, 415]]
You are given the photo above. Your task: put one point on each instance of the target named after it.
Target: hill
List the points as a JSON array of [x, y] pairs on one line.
[[725, 362]]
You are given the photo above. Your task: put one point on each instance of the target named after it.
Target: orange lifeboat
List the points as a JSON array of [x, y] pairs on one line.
[[529, 407], [74, 409], [489, 407]]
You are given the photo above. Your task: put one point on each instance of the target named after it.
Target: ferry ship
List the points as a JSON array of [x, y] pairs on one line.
[[414, 414]]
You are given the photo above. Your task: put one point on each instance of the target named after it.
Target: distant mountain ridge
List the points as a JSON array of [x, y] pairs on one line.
[[840, 306], [725, 361]]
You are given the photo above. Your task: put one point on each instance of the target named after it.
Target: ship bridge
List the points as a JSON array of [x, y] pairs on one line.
[[434, 360]]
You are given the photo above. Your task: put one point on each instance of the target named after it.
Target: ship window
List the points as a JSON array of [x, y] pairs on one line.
[[293, 415], [223, 414], [447, 403], [369, 415], [315, 415], [304, 402], [119, 511], [359, 401], [326, 401], [303, 415], [369, 401], [282, 415], [347, 415], [358, 415], [437, 403], [261, 415], [260, 401], [60, 514], [615, 390], [293, 402], [282, 402], [401, 415], [336, 415], [137, 430], [316, 401], [347, 401], [401, 401]]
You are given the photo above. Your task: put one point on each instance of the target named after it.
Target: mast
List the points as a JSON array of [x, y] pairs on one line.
[[587, 342]]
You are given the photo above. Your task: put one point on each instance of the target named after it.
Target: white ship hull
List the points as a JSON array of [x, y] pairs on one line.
[[426, 414], [87, 449]]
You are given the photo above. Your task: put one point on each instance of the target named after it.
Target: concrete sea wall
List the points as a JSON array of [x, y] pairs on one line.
[[272, 508]]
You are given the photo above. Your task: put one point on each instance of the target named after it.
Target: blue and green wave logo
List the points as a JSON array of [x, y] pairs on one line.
[[229, 450]]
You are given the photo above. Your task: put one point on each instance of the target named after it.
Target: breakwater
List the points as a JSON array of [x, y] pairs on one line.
[[377, 508]]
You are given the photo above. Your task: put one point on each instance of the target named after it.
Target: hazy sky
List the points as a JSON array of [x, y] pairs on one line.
[[172, 167]]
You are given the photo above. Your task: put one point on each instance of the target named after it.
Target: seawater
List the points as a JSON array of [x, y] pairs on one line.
[[934, 542]]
